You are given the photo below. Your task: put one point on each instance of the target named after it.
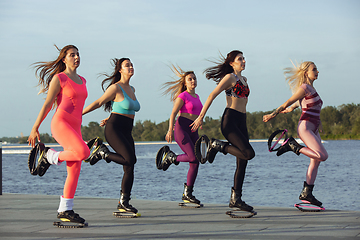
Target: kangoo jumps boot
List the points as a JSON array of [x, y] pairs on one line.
[[236, 202], [124, 205], [70, 216], [102, 153], [215, 147], [187, 195], [306, 195], [290, 145], [168, 159], [43, 163]]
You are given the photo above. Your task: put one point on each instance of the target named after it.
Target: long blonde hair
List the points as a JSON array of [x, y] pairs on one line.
[[174, 88], [45, 71], [295, 76]]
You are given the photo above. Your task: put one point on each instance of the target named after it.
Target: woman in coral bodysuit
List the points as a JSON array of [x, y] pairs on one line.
[[66, 89], [187, 103], [301, 80]]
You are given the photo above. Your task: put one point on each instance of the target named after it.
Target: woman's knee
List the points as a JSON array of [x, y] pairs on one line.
[[83, 153], [249, 154], [323, 156], [192, 158], [194, 161], [133, 160]]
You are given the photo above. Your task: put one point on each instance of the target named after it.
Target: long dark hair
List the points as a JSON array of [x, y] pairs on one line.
[[113, 78], [222, 67], [45, 71]]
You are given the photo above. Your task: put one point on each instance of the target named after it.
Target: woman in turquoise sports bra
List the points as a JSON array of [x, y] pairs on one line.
[[120, 99]]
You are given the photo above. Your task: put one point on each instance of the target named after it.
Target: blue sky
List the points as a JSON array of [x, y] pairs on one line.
[[154, 34]]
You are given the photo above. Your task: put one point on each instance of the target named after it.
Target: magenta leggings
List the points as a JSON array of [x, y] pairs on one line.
[[309, 134], [186, 141]]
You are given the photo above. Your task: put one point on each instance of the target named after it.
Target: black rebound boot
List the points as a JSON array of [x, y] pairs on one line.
[[215, 146], [124, 204], [70, 216], [306, 194], [169, 158], [290, 145], [236, 202], [187, 195], [101, 153]]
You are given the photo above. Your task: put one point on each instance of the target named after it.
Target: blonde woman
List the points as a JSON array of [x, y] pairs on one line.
[[301, 80], [187, 107]]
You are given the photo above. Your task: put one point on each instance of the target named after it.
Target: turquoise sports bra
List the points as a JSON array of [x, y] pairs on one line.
[[126, 106]]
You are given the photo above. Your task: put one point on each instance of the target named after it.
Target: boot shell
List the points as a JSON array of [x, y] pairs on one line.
[[187, 195], [170, 158], [71, 216], [124, 204], [306, 195], [290, 145], [236, 202]]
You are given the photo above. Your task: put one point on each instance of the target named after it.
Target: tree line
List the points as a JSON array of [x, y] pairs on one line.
[[338, 123]]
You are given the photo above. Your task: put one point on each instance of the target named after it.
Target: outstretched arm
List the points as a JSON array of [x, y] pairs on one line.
[[54, 89], [282, 109], [291, 108], [228, 81], [108, 95]]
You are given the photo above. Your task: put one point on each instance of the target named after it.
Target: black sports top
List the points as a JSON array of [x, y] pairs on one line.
[[239, 90]]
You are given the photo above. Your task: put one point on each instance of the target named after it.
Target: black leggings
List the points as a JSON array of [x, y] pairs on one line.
[[118, 134], [233, 127]]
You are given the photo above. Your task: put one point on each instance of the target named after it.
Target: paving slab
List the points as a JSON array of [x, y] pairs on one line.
[[24, 216]]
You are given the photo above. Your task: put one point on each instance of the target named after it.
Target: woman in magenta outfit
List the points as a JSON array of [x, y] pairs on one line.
[[187, 105], [301, 80]]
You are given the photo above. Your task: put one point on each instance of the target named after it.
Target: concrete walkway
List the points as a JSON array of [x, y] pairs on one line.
[[31, 217]]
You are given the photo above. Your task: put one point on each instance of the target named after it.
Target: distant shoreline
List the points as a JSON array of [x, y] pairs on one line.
[[136, 143], [15, 145]]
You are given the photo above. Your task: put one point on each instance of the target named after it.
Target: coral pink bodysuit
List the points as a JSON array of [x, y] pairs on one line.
[[66, 129]]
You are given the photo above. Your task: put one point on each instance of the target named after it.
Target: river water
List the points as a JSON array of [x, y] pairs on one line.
[[270, 180]]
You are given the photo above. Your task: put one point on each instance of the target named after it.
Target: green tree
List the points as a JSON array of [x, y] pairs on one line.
[[44, 137], [92, 130]]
